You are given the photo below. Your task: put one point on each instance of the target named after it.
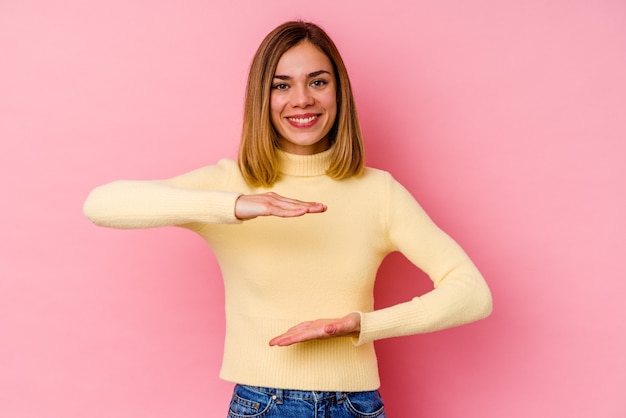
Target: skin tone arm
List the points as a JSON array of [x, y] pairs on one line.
[[320, 329], [271, 204]]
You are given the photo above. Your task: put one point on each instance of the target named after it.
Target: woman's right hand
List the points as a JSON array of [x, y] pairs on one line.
[[271, 204]]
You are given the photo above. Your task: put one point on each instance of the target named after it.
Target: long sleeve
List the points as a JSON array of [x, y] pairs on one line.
[[460, 293], [279, 272], [181, 200]]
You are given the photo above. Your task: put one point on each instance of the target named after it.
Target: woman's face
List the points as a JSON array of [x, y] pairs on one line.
[[303, 101]]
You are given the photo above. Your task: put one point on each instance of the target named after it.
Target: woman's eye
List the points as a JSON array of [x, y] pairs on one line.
[[280, 86], [319, 83]]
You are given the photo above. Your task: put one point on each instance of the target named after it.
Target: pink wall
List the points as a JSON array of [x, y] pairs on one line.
[[505, 119]]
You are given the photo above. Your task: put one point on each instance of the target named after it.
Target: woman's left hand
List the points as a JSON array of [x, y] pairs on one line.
[[320, 329]]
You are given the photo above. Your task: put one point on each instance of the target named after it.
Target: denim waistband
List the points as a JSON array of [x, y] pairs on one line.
[[305, 395]]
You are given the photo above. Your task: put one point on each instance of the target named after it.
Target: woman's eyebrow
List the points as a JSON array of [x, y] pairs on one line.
[[310, 75], [317, 73]]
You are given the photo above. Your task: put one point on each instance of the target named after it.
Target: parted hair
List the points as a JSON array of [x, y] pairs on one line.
[[258, 151]]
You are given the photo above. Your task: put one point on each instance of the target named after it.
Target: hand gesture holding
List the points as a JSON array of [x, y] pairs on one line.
[[320, 329], [271, 204]]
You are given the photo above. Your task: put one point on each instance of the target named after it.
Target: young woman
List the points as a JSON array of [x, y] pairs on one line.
[[300, 227]]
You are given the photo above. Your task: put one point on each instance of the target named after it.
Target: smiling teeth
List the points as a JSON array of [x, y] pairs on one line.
[[303, 120]]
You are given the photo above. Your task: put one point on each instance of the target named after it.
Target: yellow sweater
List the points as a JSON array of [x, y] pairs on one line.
[[279, 272]]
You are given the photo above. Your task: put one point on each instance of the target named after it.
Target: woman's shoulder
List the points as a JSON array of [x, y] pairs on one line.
[[376, 175], [228, 163], [384, 180], [373, 181], [375, 171], [225, 166]]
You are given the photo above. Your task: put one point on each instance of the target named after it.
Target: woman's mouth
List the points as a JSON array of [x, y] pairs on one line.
[[303, 121]]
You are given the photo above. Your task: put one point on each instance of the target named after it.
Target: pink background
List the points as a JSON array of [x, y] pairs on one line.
[[505, 119]]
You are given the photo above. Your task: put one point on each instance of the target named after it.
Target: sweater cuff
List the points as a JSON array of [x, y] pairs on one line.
[[395, 321], [223, 208]]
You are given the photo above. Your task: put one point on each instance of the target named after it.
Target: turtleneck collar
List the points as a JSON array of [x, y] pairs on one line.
[[304, 165]]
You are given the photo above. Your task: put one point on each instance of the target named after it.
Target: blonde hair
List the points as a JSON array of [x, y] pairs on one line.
[[258, 151]]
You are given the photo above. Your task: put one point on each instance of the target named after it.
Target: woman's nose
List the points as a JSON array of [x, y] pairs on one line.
[[301, 97]]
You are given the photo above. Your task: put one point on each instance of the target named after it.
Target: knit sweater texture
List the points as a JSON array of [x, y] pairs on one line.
[[279, 272]]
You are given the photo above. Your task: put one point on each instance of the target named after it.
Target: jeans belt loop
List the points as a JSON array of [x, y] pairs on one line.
[[279, 396]]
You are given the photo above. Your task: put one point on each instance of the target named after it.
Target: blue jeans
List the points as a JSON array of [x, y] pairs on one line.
[[250, 401]]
